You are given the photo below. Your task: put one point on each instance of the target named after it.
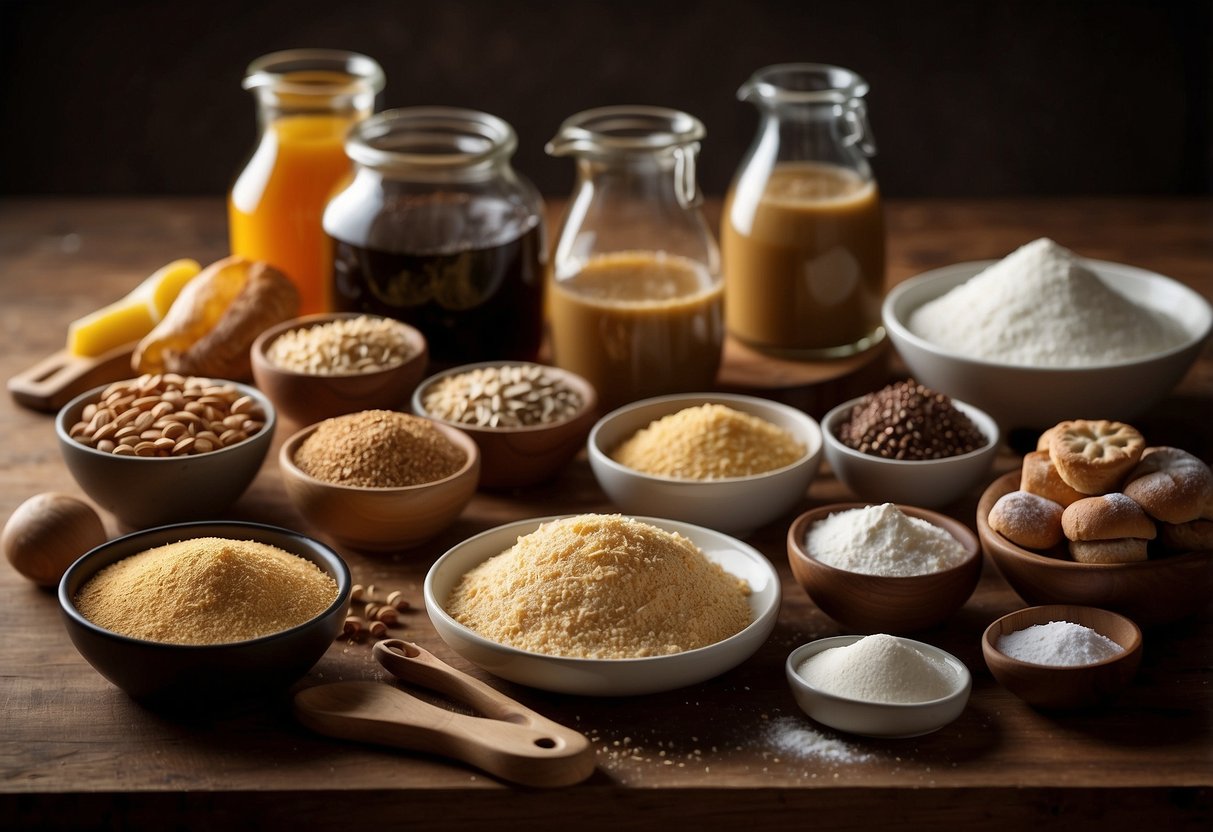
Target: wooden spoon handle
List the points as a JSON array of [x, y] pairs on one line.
[[414, 664], [59, 378], [378, 713]]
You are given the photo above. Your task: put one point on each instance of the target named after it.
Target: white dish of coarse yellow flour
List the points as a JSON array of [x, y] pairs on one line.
[[611, 676]]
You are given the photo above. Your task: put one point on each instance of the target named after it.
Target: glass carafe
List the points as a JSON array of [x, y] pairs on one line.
[[438, 230], [802, 232], [636, 291], [307, 99]]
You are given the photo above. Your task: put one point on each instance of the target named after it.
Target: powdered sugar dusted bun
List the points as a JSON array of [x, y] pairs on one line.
[[1039, 476], [1027, 520], [1171, 485], [1094, 455], [1121, 550], [1106, 518], [1194, 536]]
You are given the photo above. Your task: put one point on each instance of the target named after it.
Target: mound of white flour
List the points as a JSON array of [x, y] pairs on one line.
[[1040, 306]]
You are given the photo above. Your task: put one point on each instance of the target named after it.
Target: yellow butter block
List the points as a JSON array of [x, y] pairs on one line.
[[129, 319]]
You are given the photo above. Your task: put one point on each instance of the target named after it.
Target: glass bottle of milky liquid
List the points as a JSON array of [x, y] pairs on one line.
[[802, 233], [636, 303]]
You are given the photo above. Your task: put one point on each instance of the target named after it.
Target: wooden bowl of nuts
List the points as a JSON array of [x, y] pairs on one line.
[[320, 366], [528, 419], [166, 448]]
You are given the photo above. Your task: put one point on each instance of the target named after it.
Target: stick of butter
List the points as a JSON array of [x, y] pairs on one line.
[[134, 316]]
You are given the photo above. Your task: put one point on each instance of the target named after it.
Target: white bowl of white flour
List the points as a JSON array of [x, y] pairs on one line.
[[1044, 335]]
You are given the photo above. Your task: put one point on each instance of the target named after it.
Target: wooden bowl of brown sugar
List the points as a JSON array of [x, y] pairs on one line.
[[320, 366], [380, 480]]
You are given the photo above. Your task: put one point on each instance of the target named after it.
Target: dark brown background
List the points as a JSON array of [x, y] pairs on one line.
[[968, 98]]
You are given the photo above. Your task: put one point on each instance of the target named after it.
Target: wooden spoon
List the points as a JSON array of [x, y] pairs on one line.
[[509, 741]]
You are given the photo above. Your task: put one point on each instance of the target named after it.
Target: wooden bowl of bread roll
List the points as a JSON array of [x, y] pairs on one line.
[[1152, 584]]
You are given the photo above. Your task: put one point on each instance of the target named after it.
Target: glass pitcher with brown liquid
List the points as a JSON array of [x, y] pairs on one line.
[[802, 233], [636, 291]]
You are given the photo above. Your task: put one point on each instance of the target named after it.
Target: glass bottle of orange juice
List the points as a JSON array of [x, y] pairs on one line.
[[307, 99]]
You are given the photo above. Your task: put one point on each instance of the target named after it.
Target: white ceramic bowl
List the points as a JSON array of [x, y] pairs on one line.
[[877, 719], [1037, 397], [737, 505], [929, 483], [605, 677]]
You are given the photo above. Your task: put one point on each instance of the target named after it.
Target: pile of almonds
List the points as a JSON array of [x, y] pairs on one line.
[[168, 415]]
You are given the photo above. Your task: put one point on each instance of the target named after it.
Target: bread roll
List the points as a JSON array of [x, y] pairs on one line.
[[1040, 477], [1120, 550], [1171, 485], [1027, 520], [1094, 456], [1107, 517]]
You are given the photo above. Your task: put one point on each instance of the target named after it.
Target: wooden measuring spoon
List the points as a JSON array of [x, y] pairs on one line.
[[509, 741]]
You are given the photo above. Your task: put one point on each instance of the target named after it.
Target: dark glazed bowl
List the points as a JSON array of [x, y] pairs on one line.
[[200, 677], [151, 491], [1151, 592], [306, 398], [879, 603]]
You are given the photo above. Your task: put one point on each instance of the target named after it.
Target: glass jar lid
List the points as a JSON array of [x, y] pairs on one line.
[[445, 142]]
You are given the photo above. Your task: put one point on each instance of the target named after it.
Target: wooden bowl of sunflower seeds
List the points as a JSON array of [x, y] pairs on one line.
[[320, 366], [529, 420]]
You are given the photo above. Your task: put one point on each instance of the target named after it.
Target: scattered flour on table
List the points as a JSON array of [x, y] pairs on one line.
[[793, 737], [883, 540], [1040, 306], [1058, 643], [879, 668]]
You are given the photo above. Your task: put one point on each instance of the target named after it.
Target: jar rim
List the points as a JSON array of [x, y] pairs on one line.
[[275, 71], [625, 129], [803, 83], [440, 139]]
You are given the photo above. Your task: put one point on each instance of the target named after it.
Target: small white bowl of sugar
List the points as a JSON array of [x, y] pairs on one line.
[[1063, 656], [878, 685]]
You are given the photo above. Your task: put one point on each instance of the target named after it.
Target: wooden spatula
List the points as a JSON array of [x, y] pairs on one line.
[[509, 741]]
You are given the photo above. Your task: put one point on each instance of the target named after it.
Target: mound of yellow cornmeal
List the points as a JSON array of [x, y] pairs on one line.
[[601, 587], [708, 442]]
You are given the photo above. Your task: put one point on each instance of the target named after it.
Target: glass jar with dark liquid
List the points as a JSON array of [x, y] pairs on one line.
[[436, 229]]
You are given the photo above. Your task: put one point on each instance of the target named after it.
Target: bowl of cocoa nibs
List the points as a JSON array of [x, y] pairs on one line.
[[907, 443], [529, 420]]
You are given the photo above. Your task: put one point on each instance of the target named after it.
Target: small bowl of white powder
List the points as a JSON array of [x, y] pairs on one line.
[[1063, 656], [884, 568], [879, 685], [1043, 334]]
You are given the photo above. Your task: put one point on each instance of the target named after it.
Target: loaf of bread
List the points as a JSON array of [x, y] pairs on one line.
[[1120, 550]]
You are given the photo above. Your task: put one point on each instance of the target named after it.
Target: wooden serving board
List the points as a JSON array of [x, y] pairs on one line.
[[57, 379]]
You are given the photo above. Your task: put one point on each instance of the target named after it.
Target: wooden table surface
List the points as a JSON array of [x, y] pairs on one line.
[[75, 752]]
